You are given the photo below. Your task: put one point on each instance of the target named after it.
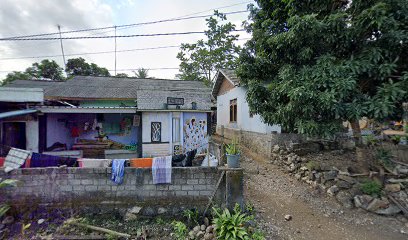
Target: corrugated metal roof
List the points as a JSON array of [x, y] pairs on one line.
[[152, 91]]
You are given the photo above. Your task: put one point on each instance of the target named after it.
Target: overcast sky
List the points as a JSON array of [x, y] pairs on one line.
[[24, 17]]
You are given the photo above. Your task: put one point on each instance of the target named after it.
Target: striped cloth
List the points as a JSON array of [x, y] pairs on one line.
[[161, 170], [15, 159]]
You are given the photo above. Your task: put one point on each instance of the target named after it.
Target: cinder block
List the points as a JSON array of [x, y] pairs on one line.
[[193, 193], [200, 187], [91, 188], [130, 187], [162, 187], [149, 187], [187, 187], [192, 181], [181, 193], [174, 187], [66, 188], [78, 188], [206, 193], [104, 188], [87, 182]]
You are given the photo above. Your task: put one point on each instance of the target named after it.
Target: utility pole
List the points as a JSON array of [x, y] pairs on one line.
[[115, 50], [62, 48]]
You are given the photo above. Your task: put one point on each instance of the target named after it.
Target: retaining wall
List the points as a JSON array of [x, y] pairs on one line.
[[84, 186]]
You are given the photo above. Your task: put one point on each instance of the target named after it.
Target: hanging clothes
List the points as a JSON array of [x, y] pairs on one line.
[[118, 170], [161, 170], [15, 159], [39, 160]]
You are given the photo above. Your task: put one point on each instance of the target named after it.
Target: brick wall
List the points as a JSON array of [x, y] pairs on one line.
[[79, 186]]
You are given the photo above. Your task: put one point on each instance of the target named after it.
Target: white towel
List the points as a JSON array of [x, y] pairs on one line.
[[161, 170], [15, 158]]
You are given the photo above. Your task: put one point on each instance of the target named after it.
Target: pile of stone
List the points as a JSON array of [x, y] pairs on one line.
[[202, 232], [342, 185]]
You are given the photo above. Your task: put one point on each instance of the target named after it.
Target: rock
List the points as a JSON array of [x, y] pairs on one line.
[[206, 222], [288, 217], [345, 199], [377, 204], [333, 190], [196, 229], [2, 226], [330, 175], [391, 210], [161, 210], [208, 236], [303, 169], [348, 179], [210, 229], [191, 234], [200, 234], [276, 149], [203, 227], [130, 217], [312, 175], [393, 187], [8, 220], [343, 184], [298, 176], [362, 201], [40, 221], [135, 210]]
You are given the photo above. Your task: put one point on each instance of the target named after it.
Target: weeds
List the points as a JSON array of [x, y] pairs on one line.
[[371, 187], [229, 225], [192, 216], [180, 230]]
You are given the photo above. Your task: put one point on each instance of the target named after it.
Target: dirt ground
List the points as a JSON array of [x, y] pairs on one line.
[[316, 216]]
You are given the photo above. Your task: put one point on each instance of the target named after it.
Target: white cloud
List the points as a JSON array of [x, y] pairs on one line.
[[23, 17]]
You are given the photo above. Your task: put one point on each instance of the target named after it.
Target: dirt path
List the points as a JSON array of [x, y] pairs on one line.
[[314, 216]]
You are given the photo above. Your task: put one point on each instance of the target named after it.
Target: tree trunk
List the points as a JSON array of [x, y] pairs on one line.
[[362, 153]]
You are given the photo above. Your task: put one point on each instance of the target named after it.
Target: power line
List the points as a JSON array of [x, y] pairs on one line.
[[113, 27], [110, 36], [101, 52], [128, 69]]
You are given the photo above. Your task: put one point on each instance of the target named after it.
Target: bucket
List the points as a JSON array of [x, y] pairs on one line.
[[2, 161], [233, 161], [141, 162]]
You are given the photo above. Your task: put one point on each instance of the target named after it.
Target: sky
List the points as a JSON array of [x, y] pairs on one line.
[[25, 17]]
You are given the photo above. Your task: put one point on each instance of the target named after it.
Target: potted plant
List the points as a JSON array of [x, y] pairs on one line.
[[233, 154]]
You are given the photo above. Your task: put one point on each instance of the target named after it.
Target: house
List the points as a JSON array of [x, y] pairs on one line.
[[115, 117], [232, 108]]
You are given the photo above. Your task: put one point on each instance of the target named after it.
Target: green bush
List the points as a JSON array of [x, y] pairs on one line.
[[230, 226], [192, 216], [180, 230], [257, 235], [312, 165], [6, 183], [371, 187], [384, 156]]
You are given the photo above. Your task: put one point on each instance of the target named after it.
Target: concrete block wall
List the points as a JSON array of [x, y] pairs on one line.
[[93, 185]]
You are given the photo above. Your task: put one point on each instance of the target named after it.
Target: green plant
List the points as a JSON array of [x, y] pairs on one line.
[[192, 215], [233, 148], [313, 165], [371, 187], [249, 207], [370, 140], [6, 183], [160, 221], [257, 235], [396, 139], [384, 156], [231, 225], [180, 230]]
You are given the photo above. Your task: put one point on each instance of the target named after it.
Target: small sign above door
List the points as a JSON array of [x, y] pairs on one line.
[[175, 101]]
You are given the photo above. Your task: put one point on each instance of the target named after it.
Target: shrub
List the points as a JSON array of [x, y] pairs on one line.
[[233, 148], [312, 165], [230, 226], [191, 215], [180, 230], [384, 156], [6, 183], [371, 187], [257, 235]]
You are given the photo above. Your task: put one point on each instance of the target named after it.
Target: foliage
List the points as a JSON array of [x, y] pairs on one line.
[[192, 215], [180, 230], [6, 183], [370, 140], [233, 148], [79, 67], [371, 187], [160, 221], [384, 156], [311, 65], [15, 76], [249, 207], [313, 165], [396, 139], [141, 73], [257, 235], [122, 75], [230, 226], [46, 69], [200, 60]]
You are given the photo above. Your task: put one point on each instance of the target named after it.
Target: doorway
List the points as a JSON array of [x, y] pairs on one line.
[[14, 134]]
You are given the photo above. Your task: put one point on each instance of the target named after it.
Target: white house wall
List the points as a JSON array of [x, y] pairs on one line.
[[32, 135], [244, 121]]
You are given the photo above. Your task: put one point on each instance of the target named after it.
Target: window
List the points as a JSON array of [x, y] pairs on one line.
[[176, 130], [233, 110], [156, 131]]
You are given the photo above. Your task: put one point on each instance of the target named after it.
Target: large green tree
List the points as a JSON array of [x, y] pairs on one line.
[[78, 66], [16, 75], [312, 64], [200, 60], [46, 69]]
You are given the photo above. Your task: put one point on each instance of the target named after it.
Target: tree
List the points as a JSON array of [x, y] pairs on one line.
[[46, 69], [79, 67], [141, 73], [122, 75], [312, 64], [16, 75], [200, 61]]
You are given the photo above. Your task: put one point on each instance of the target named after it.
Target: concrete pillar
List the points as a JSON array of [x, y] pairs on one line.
[[234, 186]]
